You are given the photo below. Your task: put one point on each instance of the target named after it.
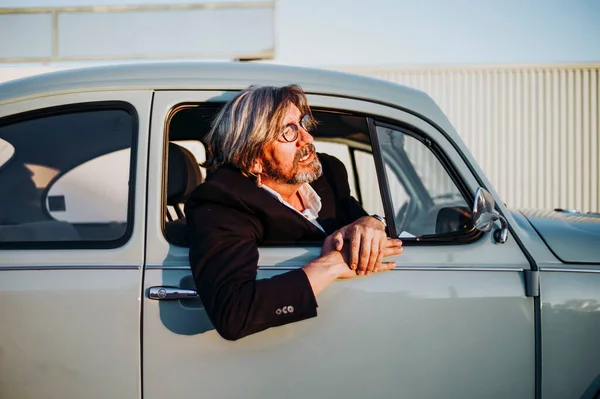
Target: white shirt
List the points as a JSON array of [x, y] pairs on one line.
[[310, 200]]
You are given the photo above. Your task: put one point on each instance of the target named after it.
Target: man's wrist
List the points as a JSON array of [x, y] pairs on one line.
[[333, 262], [381, 219]]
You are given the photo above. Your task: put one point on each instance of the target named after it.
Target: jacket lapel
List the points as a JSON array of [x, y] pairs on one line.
[[281, 224]]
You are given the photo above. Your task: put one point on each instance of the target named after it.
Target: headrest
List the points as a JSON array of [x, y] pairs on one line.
[[184, 174]]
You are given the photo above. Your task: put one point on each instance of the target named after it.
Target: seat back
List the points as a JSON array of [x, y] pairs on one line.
[[183, 176]]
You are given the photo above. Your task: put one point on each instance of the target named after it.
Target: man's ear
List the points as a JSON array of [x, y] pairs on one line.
[[256, 168]]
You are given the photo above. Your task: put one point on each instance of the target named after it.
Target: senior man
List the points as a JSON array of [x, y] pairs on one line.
[[268, 185]]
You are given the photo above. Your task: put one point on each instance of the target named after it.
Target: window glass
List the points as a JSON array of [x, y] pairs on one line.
[[365, 176], [425, 199], [175, 210], [346, 137], [339, 134], [95, 190], [369, 186], [341, 152], [68, 179], [397, 191], [198, 151]]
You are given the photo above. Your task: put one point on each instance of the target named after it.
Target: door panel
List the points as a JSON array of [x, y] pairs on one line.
[[422, 333], [70, 333], [449, 321], [570, 325], [70, 315]]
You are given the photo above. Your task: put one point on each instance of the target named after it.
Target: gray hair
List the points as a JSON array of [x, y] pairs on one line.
[[248, 122]]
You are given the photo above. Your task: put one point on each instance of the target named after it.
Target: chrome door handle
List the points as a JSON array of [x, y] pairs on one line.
[[170, 293]]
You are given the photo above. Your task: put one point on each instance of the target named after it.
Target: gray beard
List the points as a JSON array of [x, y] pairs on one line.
[[316, 170], [308, 176]]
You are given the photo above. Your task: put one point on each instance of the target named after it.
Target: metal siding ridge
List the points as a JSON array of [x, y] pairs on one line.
[[595, 142], [585, 153], [562, 149], [553, 169], [533, 129], [579, 137], [571, 142]]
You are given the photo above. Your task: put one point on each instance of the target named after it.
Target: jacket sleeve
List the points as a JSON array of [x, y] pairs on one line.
[[224, 261]]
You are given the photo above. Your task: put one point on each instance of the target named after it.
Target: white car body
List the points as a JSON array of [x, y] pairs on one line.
[[460, 321]]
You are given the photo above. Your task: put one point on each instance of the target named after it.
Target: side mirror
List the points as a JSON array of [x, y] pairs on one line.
[[453, 219], [484, 216]]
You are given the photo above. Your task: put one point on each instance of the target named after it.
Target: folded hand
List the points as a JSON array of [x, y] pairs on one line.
[[364, 245]]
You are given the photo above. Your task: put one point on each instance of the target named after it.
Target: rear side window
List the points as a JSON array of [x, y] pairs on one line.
[[69, 180]]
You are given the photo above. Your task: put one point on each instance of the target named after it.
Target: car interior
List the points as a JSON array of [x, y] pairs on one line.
[[58, 195], [191, 122], [341, 134], [40, 160]]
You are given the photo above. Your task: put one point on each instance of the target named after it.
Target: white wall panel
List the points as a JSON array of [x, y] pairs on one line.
[[166, 33], [534, 130], [208, 30], [19, 40]]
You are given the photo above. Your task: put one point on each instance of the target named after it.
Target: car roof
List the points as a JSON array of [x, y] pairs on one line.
[[222, 76]]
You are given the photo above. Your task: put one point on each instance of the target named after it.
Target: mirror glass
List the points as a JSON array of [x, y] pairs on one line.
[[483, 208], [7, 151]]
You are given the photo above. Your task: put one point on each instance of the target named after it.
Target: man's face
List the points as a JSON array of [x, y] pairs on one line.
[[291, 162]]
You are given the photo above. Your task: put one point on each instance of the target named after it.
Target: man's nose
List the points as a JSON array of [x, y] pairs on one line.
[[305, 137]]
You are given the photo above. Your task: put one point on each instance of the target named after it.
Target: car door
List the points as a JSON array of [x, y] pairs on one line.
[[451, 320], [72, 221]]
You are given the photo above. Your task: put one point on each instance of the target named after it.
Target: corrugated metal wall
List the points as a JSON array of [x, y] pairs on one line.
[[535, 131]]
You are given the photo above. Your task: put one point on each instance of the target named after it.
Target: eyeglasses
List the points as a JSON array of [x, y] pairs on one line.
[[291, 131]]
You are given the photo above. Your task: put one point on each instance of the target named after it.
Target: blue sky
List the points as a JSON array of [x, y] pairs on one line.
[[440, 31], [419, 32]]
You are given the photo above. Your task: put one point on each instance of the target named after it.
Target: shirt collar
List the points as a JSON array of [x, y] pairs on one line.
[[310, 199]]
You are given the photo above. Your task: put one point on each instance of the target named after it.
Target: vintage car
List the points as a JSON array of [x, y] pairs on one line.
[[96, 294]]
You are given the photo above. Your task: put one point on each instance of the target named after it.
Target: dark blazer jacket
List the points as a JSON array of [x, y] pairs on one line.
[[228, 218]]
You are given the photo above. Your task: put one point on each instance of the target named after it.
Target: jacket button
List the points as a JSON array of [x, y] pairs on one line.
[[278, 312], [290, 309]]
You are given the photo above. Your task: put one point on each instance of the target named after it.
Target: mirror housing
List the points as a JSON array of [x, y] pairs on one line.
[[484, 215]]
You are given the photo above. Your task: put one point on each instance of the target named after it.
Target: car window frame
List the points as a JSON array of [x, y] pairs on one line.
[[72, 108], [182, 105], [372, 122], [454, 238]]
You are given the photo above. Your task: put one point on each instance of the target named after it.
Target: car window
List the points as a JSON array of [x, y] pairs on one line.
[[69, 178], [342, 135], [362, 176], [341, 152], [368, 182], [425, 198], [96, 191], [346, 137]]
